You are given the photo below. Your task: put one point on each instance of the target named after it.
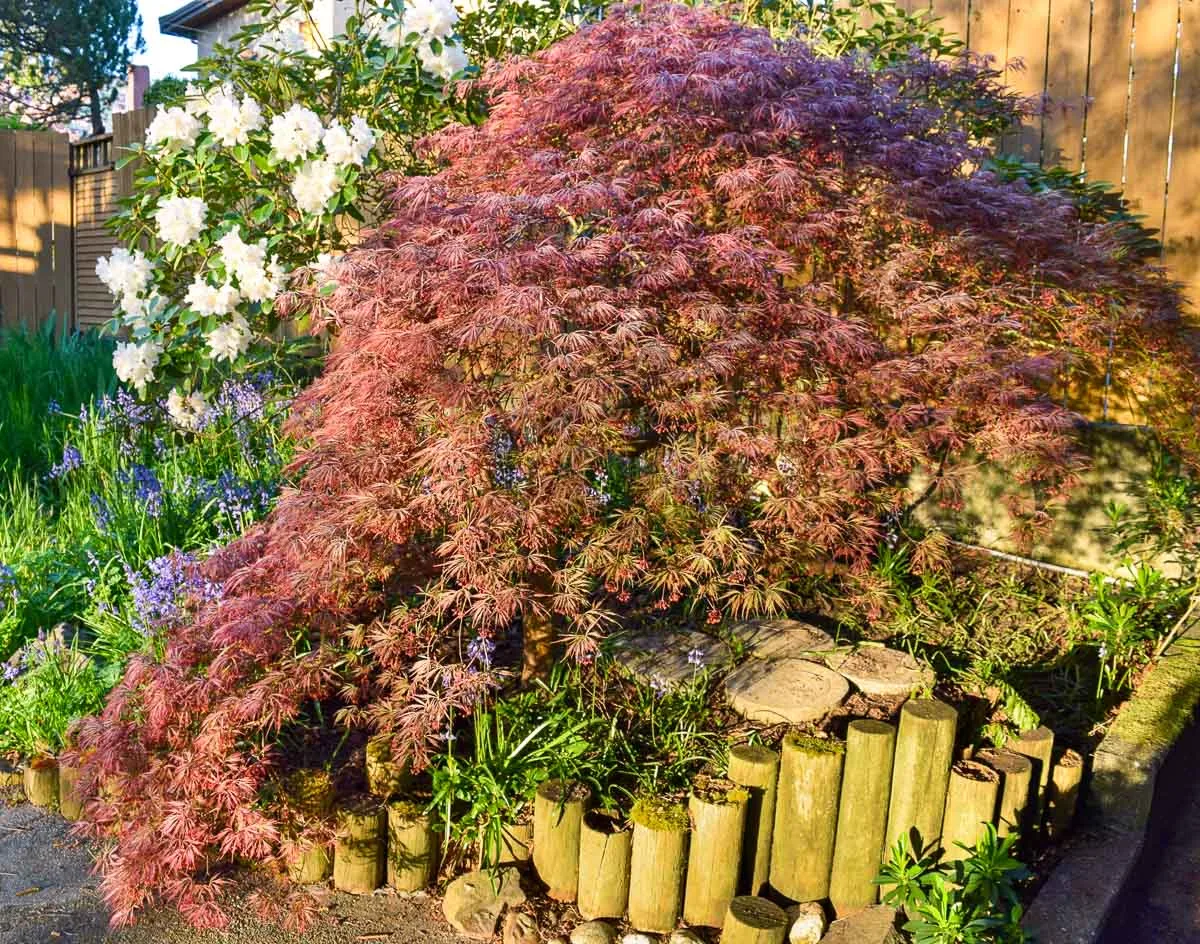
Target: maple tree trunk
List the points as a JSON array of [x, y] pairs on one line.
[[538, 635]]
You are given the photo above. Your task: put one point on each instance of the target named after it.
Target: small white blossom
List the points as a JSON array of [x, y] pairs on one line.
[[364, 136], [296, 133], [230, 120], [209, 299], [239, 256], [135, 363], [315, 184], [180, 219], [432, 19], [344, 147], [173, 128], [445, 64], [229, 341], [186, 411], [138, 311], [197, 100], [260, 284], [125, 273]]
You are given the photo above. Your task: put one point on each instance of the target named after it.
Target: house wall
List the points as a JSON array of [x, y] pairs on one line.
[[329, 15]]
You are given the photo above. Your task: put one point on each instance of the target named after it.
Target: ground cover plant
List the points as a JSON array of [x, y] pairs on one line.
[[670, 328], [104, 508]]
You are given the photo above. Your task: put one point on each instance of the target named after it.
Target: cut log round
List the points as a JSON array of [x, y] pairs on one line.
[[1038, 746], [657, 862], [558, 809], [877, 670], [70, 799], [862, 815], [412, 847], [921, 772], [1062, 794], [1016, 788], [605, 845], [718, 812], [806, 811], [970, 803], [41, 782], [753, 920], [757, 769], [359, 861], [311, 866], [784, 691]]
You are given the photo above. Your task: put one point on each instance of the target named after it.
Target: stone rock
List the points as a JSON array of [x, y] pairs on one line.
[[594, 932], [784, 691], [874, 925], [876, 670], [637, 937], [670, 657], [806, 923], [475, 901], [781, 638], [520, 928], [684, 936]]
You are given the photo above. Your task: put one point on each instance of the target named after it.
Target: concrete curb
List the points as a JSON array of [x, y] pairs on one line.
[[1077, 900]]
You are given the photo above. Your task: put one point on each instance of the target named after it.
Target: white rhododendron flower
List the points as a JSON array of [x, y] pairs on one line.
[[180, 219], [432, 19], [229, 341], [230, 120], [125, 273], [315, 184], [364, 136], [259, 285], [135, 363], [296, 133], [197, 100], [188, 411], [208, 299], [241, 257], [173, 127], [340, 146], [138, 311], [442, 64]]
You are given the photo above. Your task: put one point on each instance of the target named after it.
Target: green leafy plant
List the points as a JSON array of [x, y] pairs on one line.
[[973, 900]]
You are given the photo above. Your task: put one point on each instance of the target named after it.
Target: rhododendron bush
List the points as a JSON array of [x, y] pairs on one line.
[[670, 329], [269, 164]]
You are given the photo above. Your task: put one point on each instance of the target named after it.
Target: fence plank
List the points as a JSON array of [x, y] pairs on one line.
[[989, 31], [953, 15], [1181, 233], [27, 223], [60, 214], [1028, 29], [1108, 88], [9, 263], [1155, 30], [1066, 83]]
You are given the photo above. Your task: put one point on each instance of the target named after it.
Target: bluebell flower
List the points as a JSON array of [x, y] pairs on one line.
[[122, 413], [11, 671], [8, 586], [72, 459], [147, 489], [159, 598], [241, 400], [100, 513], [695, 657], [480, 651], [53, 408]]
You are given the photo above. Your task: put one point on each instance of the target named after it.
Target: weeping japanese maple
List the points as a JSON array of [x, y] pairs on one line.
[[672, 326]]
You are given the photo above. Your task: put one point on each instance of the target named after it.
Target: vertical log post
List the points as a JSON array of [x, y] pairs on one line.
[[1062, 794], [862, 815], [41, 782], [657, 863], [605, 844], [359, 860], [558, 809], [1038, 746], [312, 792], [411, 846], [921, 772], [1016, 788], [806, 811], [752, 920], [757, 769], [516, 843], [385, 777], [718, 813], [70, 800], [970, 802]]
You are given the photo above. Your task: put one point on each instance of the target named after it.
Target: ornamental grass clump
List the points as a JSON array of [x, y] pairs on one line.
[[672, 327]]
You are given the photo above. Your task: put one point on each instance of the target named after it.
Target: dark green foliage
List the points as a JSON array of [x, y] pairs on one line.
[[169, 90]]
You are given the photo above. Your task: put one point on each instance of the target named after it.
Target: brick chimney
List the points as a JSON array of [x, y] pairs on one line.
[[137, 80]]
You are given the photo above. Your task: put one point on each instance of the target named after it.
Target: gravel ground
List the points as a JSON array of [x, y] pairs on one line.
[[48, 894]]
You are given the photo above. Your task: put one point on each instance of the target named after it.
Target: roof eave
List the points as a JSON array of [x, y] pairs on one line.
[[189, 19]]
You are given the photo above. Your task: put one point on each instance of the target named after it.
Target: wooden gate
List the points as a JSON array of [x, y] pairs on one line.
[[35, 228]]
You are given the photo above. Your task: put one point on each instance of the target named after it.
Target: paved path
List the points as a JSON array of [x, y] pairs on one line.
[[48, 896], [1162, 905]]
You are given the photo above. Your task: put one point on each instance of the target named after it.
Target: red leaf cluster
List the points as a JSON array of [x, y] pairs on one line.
[[675, 323]]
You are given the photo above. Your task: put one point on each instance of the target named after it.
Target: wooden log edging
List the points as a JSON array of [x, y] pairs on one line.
[[558, 808], [605, 846], [753, 920], [412, 846], [806, 811], [971, 802], [1016, 789], [921, 771], [862, 815], [1062, 793], [359, 859], [718, 813], [41, 782], [658, 860], [757, 769]]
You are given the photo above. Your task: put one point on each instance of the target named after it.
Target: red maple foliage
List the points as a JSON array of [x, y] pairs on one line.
[[676, 322]]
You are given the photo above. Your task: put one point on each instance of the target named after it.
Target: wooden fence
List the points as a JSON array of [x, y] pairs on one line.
[[35, 226]]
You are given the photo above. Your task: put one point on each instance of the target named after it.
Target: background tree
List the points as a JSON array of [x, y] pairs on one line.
[[65, 59]]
